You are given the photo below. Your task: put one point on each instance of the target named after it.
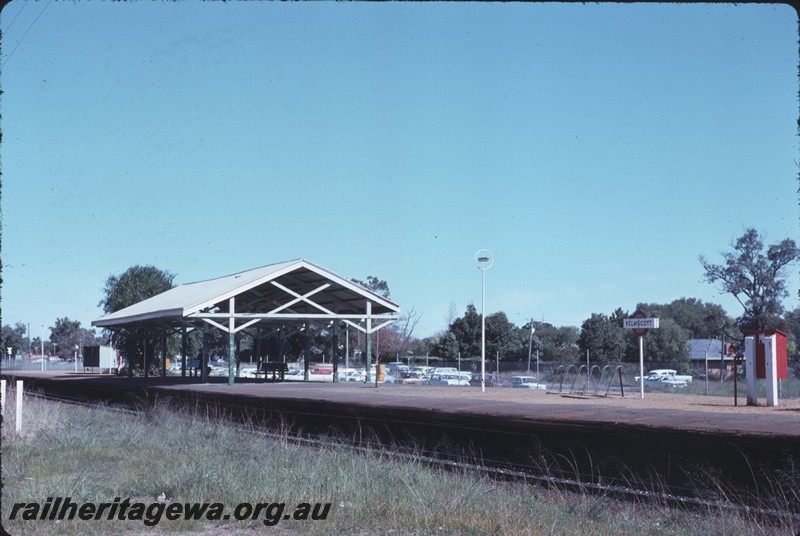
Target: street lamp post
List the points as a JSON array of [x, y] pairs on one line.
[[530, 348], [484, 261], [76, 358]]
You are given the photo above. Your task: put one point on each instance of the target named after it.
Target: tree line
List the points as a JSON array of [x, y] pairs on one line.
[[752, 272], [601, 336]]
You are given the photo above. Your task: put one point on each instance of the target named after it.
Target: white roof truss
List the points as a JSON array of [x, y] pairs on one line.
[[296, 290]]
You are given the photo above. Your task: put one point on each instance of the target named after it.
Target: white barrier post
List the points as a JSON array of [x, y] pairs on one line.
[[19, 406], [3, 397], [750, 370], [771, 366], [641, 366]]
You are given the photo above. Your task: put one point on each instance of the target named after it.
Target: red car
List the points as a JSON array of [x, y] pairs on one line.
[[492, 380]]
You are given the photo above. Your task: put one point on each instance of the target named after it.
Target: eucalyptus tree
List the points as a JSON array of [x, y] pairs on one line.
[[136, 284], [467, 331], [701, 320], [755, 276], [68, 334], [556, 344], [14, 338], [603, 338], [502, 338]]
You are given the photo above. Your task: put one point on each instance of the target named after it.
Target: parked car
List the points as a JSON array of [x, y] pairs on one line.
[[661, 378], [317, 368], [295, 374], [449, 379], [492, 380], [426, 371], [247, 371], [526, 382], [217, 371], [661, 382], [396, 367], [387, 378], [413, 377], [353, 376], [664, 383], [670, 374]]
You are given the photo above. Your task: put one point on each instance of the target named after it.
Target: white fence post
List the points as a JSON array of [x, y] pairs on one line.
[[19, 406], [750, 370], [3, 398]]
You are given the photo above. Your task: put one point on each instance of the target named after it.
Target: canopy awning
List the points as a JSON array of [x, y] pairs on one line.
[[297, 290]]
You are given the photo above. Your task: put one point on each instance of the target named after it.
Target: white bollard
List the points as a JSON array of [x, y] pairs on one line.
[[19, 406], [771, 366], [3, 398], [750, 370]]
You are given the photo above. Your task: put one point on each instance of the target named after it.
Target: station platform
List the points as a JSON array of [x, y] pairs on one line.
[[664, 411]]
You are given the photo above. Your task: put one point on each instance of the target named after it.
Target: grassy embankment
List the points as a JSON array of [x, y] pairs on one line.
[[99, 454]]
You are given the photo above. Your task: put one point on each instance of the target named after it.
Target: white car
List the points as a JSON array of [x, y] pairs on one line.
[[353, 376], [426, 371], [670, 374], [665, 378], [661, 382], [294, 375], [449, 379], [444, 370], [526, 382], [248, 372]]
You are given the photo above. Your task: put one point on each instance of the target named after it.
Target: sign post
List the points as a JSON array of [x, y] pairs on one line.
[[640, 324]]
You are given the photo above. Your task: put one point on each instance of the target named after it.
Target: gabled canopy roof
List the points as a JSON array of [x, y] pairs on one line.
[[296, 290]]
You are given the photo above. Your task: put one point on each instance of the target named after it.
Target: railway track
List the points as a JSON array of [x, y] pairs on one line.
[[250, 420]]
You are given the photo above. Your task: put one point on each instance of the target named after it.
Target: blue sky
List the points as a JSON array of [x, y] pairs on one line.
[[596, 150]]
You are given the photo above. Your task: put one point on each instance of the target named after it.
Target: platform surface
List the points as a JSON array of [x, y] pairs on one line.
[[705, 414]]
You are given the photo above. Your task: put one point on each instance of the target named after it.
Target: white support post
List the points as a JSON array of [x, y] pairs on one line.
[[2, 397], [368, 349], [641, 366], [231, 341], [771, 366], [483, 331], [750, 370], [19, 407]]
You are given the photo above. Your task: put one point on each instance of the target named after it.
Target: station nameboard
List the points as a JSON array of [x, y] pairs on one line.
[[640, 323]]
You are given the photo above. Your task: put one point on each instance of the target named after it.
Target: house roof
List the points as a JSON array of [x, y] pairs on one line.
[[700, 349], [296, 290]]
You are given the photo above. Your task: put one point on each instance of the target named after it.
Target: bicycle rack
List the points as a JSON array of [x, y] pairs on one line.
[[575, 379], [573, 373], [558, 377], [591, 375], [600, 381], [617, 372]]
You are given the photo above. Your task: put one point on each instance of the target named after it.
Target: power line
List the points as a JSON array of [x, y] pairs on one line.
[[24, 5], [26, 32]]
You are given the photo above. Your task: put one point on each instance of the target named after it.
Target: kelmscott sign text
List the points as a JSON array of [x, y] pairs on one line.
[[640, 323]]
